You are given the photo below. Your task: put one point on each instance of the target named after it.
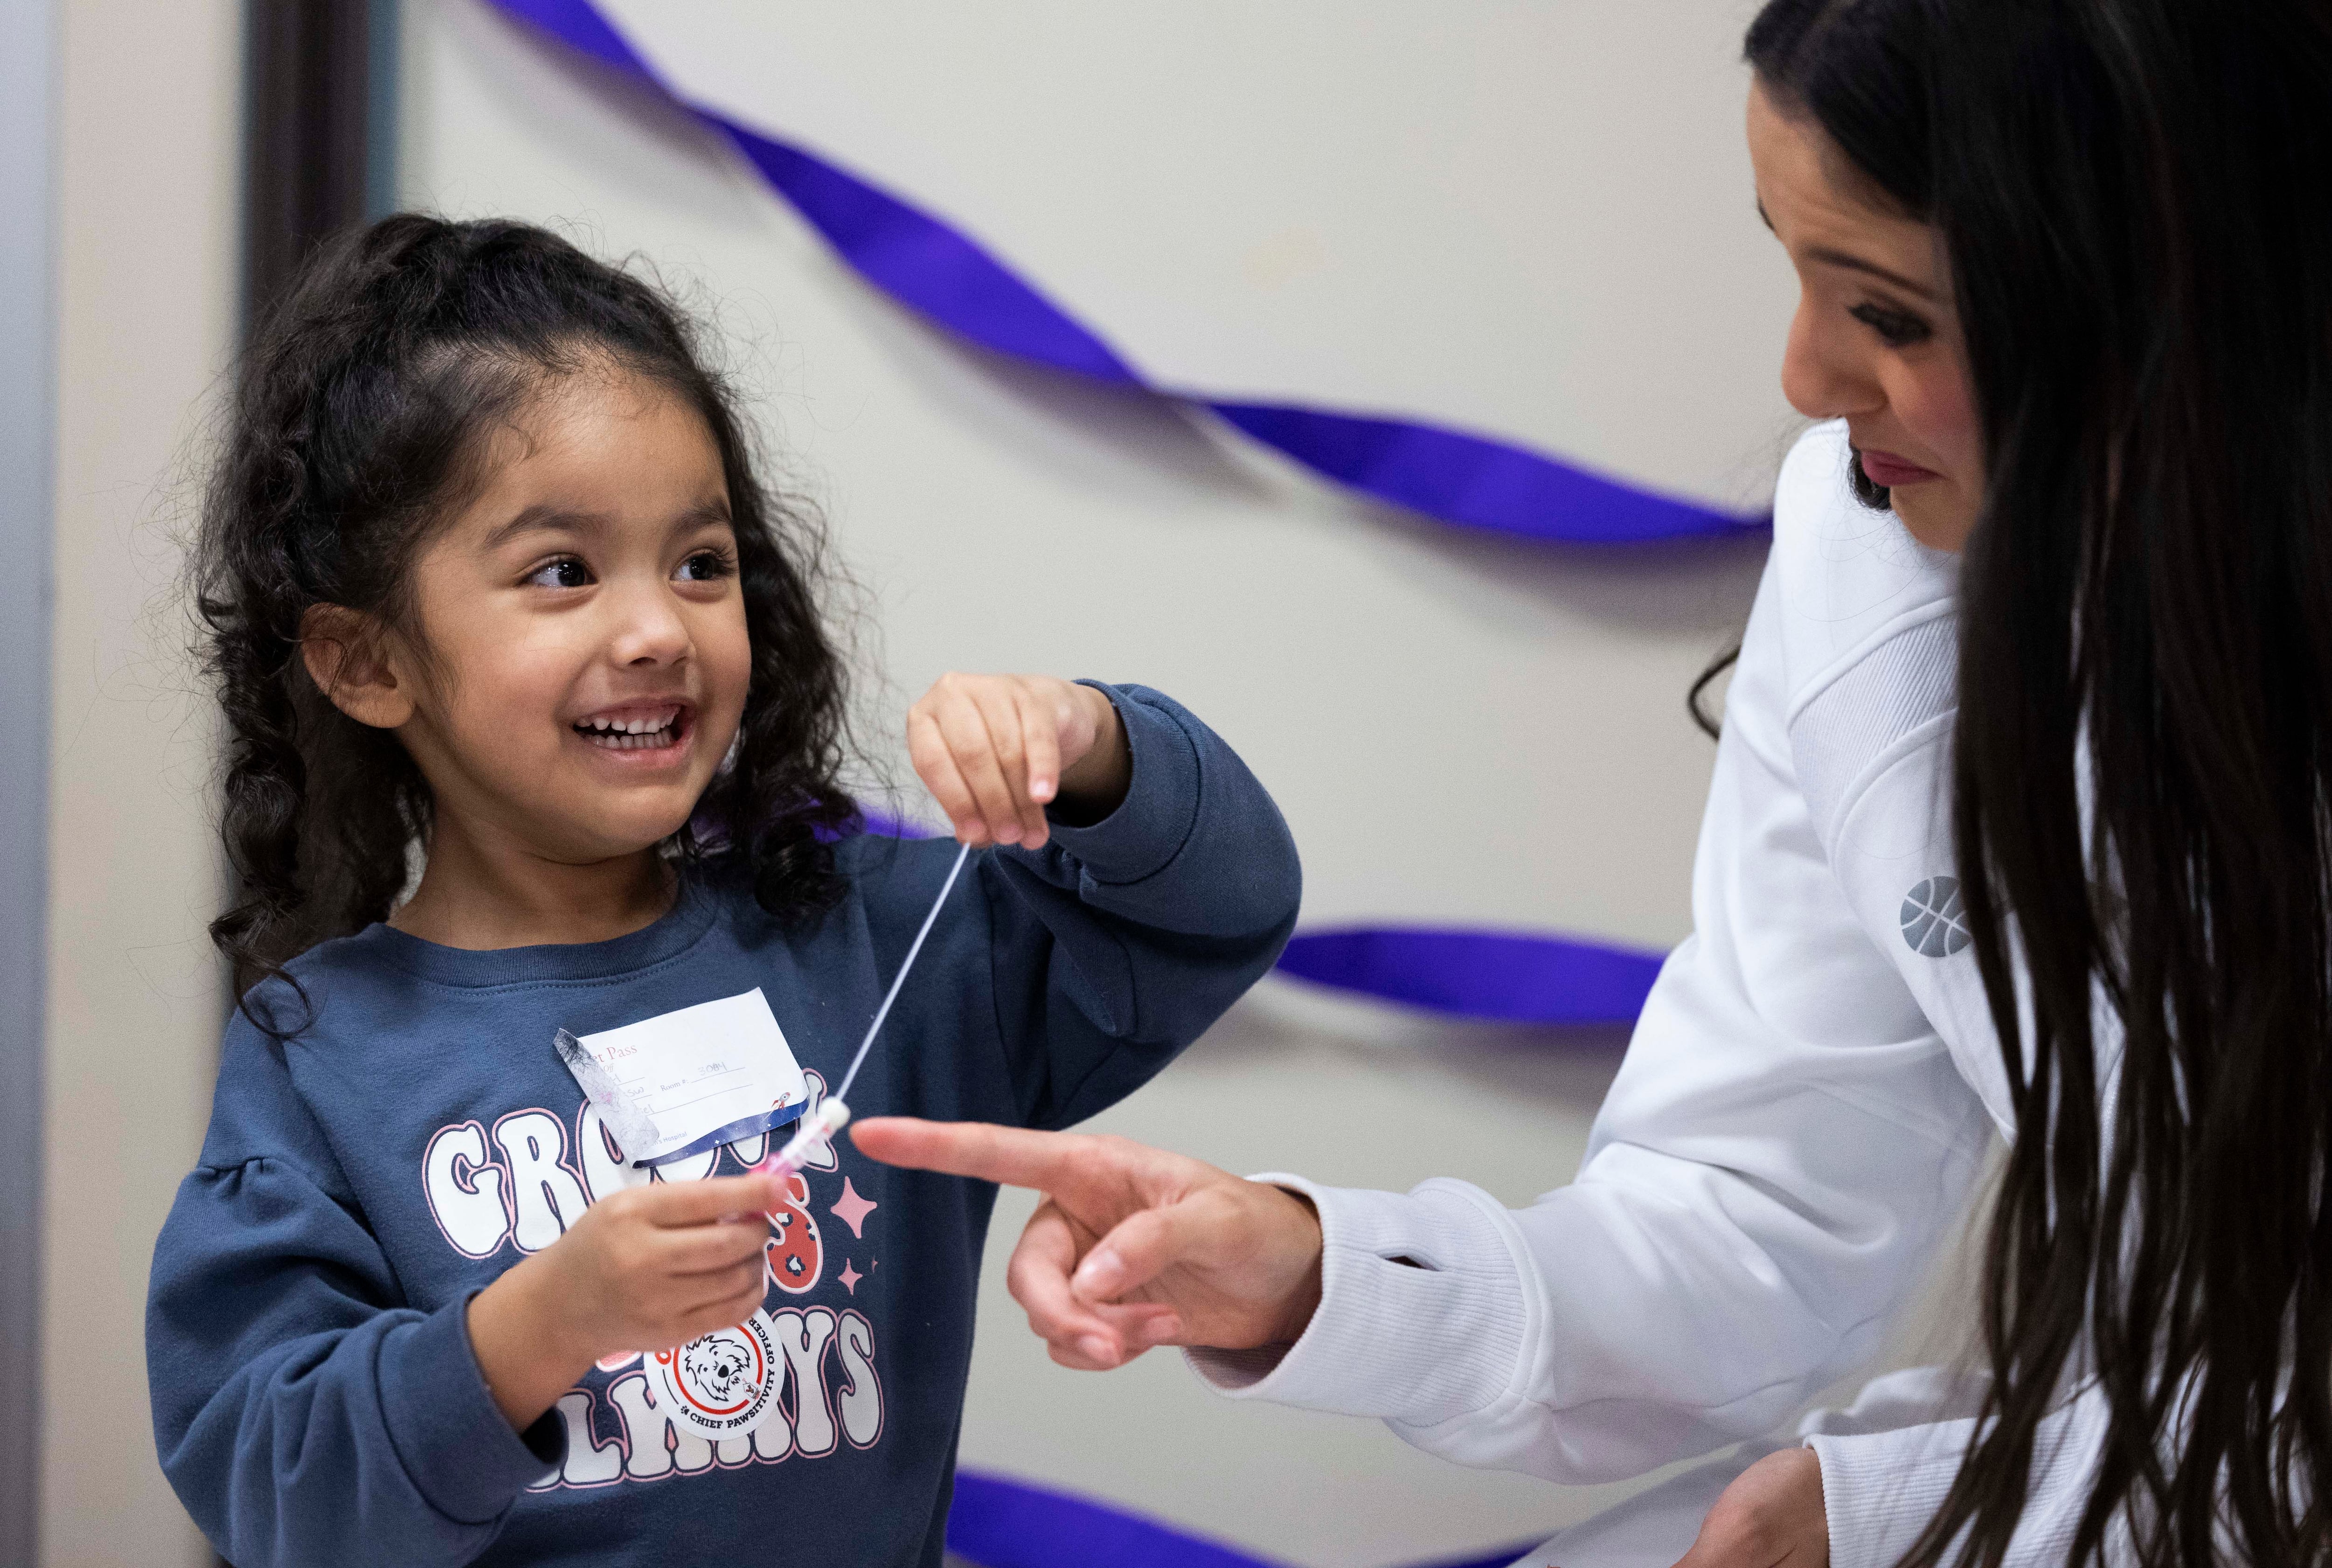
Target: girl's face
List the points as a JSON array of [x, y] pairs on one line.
[[587, 657], [1876, 340]]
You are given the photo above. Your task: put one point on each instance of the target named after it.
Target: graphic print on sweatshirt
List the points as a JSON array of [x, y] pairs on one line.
[[515, 1186]]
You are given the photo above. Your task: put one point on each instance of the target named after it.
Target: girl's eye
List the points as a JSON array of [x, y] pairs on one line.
[[566, 573], [706, 566], [1897, 329]]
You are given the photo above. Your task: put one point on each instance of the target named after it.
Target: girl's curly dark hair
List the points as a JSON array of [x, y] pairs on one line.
[[356, 422]]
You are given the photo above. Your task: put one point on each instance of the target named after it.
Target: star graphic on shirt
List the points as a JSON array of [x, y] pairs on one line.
[[852, 1210], [849, 1277]]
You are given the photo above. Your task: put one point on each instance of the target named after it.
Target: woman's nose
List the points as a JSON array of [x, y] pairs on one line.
[[1822, 373]]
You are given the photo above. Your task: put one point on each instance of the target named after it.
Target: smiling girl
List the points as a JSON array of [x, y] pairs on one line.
[[494, 588]]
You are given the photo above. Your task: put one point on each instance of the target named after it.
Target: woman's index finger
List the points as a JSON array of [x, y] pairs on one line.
[[1017, 1156]]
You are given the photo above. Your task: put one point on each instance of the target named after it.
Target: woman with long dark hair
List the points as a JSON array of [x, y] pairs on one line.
[[2021, 818]]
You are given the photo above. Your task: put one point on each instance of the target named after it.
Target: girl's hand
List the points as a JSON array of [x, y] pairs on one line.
[[995, 751], [1770, 1517], [1133, 1247], [643, 1268]]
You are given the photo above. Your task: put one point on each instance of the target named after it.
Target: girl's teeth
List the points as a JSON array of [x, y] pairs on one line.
[[631, 734]]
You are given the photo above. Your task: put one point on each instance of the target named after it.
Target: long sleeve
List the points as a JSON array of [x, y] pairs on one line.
[[1117, 944], [302, 1414], [1786, 1142], [1881, 1487]]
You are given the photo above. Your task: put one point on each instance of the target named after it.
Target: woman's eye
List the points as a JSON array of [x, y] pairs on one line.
[[566, 573], [1897, 329], [706, 566]]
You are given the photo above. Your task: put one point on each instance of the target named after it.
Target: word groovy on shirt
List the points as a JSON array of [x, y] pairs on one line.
[[520, 1183]]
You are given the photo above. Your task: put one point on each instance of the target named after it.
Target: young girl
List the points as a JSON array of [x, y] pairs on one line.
[[491, 579]]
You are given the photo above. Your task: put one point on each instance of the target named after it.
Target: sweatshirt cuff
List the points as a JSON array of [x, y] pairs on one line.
[[1879, 1489], [454, 1443], [1415, 1343], [1160, 808]]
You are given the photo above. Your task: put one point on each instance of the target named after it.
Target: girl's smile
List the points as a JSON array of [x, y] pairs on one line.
[[640, 735]]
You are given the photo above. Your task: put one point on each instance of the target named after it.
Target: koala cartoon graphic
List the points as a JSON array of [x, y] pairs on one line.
[[795, 1254], [721, 1367]]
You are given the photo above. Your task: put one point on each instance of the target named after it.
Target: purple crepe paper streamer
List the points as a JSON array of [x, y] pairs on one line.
[[1000, 1524], [942, 273], [1482, 974], [1512, 976]]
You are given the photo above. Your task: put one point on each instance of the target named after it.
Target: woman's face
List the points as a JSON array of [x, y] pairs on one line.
[[1876, 340]]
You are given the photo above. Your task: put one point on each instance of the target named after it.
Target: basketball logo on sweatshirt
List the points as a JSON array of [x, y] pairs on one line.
[[722, 1384], [1933, 922]]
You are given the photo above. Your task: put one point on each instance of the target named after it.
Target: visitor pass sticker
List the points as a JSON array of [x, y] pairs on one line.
[[707, 1075], [722, 1384]]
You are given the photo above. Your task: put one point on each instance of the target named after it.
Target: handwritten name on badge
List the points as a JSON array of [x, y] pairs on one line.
[[702, 1075]]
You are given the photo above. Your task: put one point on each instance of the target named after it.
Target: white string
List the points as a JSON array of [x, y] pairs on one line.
[[858, 1061]]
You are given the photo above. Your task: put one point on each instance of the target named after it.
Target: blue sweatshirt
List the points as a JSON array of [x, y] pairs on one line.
[[316, 1401]]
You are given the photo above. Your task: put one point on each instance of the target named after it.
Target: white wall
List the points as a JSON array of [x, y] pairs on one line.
[[149, 145], [1535, 219]]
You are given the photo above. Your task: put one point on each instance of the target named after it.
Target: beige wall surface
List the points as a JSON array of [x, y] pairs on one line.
[[1531, 218], [1535, 219], [149, 146]]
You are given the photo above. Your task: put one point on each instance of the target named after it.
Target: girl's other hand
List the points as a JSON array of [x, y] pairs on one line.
[[1133, 1247], [995, 751], [643, 1269]]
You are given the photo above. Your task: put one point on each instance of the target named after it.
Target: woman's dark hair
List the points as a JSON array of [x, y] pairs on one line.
[[358, 420], [2135, 199]]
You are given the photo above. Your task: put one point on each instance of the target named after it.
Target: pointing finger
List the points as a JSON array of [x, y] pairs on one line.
[[1017, 1156]]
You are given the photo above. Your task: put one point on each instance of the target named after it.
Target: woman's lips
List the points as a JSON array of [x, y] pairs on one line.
[[1884, 468]]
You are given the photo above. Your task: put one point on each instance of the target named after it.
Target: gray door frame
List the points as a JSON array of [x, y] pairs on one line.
[[28, 247], [314, 188]]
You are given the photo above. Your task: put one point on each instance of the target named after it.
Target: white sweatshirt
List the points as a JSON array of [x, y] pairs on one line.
[[1805, 1101]]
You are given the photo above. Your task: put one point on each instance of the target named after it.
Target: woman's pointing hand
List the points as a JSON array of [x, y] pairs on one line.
[[1133, 1247]]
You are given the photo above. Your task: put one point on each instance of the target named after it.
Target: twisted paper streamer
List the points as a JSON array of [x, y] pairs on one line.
[[1001, 1523], [938, 270], [1508, 977], [1469, 479]]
